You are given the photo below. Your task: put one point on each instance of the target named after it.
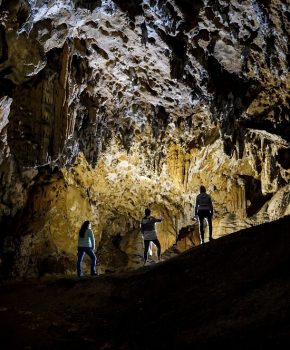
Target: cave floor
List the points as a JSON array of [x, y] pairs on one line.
[[233, 292]]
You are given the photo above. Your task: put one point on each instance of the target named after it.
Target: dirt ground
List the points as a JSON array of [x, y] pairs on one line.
[[233, 292]]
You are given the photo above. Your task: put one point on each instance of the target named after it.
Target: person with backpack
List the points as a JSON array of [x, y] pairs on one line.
[[204, 210], [86, 245], [149, 233]]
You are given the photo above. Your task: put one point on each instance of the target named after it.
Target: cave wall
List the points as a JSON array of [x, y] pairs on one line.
[[107, 107]]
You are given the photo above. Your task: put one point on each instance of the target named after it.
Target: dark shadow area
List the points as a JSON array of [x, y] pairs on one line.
[[6, 86], [24, 11], [132, 7], [260, 122], [224, 82], [88, 4], [231, 293], [3, 45], [117, 256], [233, 94], [190, 10], [7, 247], [159, 120], [178, 58], [284, 158], [254, 195], [15, 229]]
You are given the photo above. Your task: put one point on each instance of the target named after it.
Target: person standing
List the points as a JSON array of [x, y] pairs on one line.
[[149, 233], [86, 245], [204, 210]]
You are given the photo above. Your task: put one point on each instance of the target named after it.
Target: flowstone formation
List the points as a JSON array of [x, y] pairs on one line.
[[108, 107]]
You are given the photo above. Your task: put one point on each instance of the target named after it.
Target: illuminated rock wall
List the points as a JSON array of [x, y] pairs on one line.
[[107, 107]]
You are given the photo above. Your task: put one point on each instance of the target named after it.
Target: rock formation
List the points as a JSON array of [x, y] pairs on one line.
[[107, 107]]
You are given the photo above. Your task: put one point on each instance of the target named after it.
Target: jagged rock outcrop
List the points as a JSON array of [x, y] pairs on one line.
[[107, 107]]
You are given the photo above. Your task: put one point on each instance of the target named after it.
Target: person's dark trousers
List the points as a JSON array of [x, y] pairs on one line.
[[204, 214], [146, 248], [81, 253]]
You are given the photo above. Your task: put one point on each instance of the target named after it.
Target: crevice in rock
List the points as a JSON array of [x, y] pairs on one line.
[[284, 158], [116, 259], [178, 46], [6, 85], [3, 45], [280, 128], [132, 7], [233, 94], [160, 120], [223, 82], [23, 13], [254, 196], [100, 51], [190, 10], [88, 4]]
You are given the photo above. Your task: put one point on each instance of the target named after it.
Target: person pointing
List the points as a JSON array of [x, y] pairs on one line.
[[149, 233]]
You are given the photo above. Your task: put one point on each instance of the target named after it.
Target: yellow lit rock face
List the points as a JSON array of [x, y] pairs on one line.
[[107, 108], [113, 196]]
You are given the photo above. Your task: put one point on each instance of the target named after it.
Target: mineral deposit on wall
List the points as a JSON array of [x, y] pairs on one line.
[[108, 107]]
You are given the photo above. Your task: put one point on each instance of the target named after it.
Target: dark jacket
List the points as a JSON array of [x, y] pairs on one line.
[[203, 202], [148, 223]]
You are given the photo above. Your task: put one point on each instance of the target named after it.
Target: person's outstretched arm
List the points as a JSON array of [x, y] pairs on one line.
[[158, 220]]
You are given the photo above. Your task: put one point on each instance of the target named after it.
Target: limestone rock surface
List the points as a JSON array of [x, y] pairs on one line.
[[108, 107]]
